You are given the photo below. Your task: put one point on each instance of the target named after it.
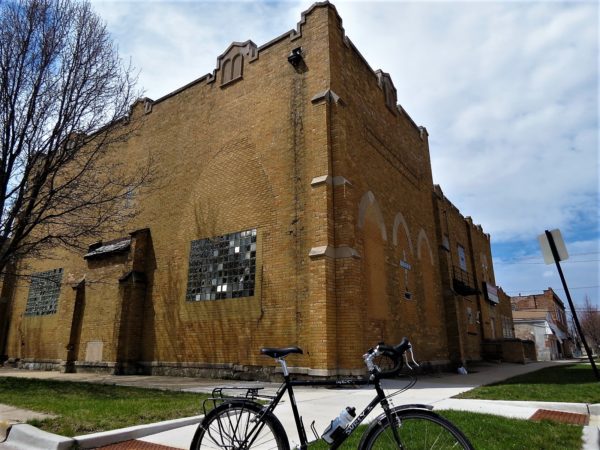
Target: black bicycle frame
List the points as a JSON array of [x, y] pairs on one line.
[[288, 386]]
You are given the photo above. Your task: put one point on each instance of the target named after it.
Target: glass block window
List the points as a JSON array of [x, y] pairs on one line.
[[222, 267], [43, 293]]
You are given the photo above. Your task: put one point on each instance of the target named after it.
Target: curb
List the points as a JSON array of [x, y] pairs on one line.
[[591, 437], [27, 437], [519, 409], [130, 433]]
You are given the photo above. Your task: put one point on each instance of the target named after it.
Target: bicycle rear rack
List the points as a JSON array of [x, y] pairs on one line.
[[222, 394]]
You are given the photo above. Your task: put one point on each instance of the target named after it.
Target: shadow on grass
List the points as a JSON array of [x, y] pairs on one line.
[[568, 374]]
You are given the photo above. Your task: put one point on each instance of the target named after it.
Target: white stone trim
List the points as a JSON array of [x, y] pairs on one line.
[[343, 251], [325, 250], [323, 179], [341, 181], [328, 179]]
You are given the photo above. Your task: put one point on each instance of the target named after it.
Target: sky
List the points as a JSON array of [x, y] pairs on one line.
[[508, 92]]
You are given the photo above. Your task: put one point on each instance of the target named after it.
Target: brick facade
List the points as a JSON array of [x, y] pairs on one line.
[[467, 273], [552, 338], [302, 141]]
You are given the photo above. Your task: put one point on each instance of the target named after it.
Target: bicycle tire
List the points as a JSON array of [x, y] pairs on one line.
[[229, 425], [418, 429]]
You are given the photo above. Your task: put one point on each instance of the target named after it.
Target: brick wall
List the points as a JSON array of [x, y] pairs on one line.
[[335, 178]]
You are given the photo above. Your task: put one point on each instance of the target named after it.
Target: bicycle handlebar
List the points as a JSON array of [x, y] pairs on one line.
[[395, 353]]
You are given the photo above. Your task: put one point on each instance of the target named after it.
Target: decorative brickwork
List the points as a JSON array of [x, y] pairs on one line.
[[560, 417], [136, 445]]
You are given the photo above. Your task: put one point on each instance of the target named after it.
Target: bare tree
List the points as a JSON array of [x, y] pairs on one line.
[[65, 98], [590, 323]]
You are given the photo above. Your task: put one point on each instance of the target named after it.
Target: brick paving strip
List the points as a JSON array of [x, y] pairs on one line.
[[136, 445], [560, 416]]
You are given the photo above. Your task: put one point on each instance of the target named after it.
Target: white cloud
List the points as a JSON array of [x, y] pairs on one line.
[[509, 94], [176, 42]]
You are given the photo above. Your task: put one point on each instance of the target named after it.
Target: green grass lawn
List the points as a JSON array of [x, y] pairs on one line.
[[84, 408], [570, 383], [489, 432]]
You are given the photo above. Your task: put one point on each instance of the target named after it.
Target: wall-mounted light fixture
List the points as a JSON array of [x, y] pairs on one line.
[[295, 57]]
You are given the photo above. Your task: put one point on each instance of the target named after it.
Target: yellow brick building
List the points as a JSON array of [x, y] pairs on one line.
[[295, 206]]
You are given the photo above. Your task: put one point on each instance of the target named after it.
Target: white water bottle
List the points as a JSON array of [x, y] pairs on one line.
[[338, 425]]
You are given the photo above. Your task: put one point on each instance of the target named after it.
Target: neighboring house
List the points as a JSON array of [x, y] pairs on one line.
[[297, 207], [535, 326], [542, 317]]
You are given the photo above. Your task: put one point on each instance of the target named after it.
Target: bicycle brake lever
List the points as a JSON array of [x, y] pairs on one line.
[[406, 361], [412, 357]]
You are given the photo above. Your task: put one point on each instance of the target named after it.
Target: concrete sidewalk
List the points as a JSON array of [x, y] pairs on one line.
[[321, 404]]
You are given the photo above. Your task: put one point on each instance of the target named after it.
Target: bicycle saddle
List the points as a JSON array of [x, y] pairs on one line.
[[280, 352]]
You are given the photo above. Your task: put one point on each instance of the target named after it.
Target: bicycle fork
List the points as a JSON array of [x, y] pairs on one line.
[[391, 417]]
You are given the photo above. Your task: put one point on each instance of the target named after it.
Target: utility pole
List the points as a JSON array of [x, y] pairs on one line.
[[556, 257]]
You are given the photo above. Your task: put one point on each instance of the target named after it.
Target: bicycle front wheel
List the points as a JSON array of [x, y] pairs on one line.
[[240, 425], [417, 430]]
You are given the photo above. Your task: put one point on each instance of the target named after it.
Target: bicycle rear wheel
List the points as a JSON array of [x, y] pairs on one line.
[[417, 430], [240, 425]]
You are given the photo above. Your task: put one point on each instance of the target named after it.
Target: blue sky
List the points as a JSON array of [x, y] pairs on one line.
[[507, 90]]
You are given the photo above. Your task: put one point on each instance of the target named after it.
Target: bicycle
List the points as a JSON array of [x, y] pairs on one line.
[[242, 422]]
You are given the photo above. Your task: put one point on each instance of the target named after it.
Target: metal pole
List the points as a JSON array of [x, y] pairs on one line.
[[575, 319]]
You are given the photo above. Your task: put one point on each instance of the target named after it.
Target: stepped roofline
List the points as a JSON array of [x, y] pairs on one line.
[[251, 53]]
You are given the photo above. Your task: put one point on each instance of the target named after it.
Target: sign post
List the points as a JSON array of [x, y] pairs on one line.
[[553, 241]]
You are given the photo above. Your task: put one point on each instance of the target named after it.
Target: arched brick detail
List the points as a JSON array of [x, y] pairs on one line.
[[230, 64], [368, 200], [422, 239], [399, 220]]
